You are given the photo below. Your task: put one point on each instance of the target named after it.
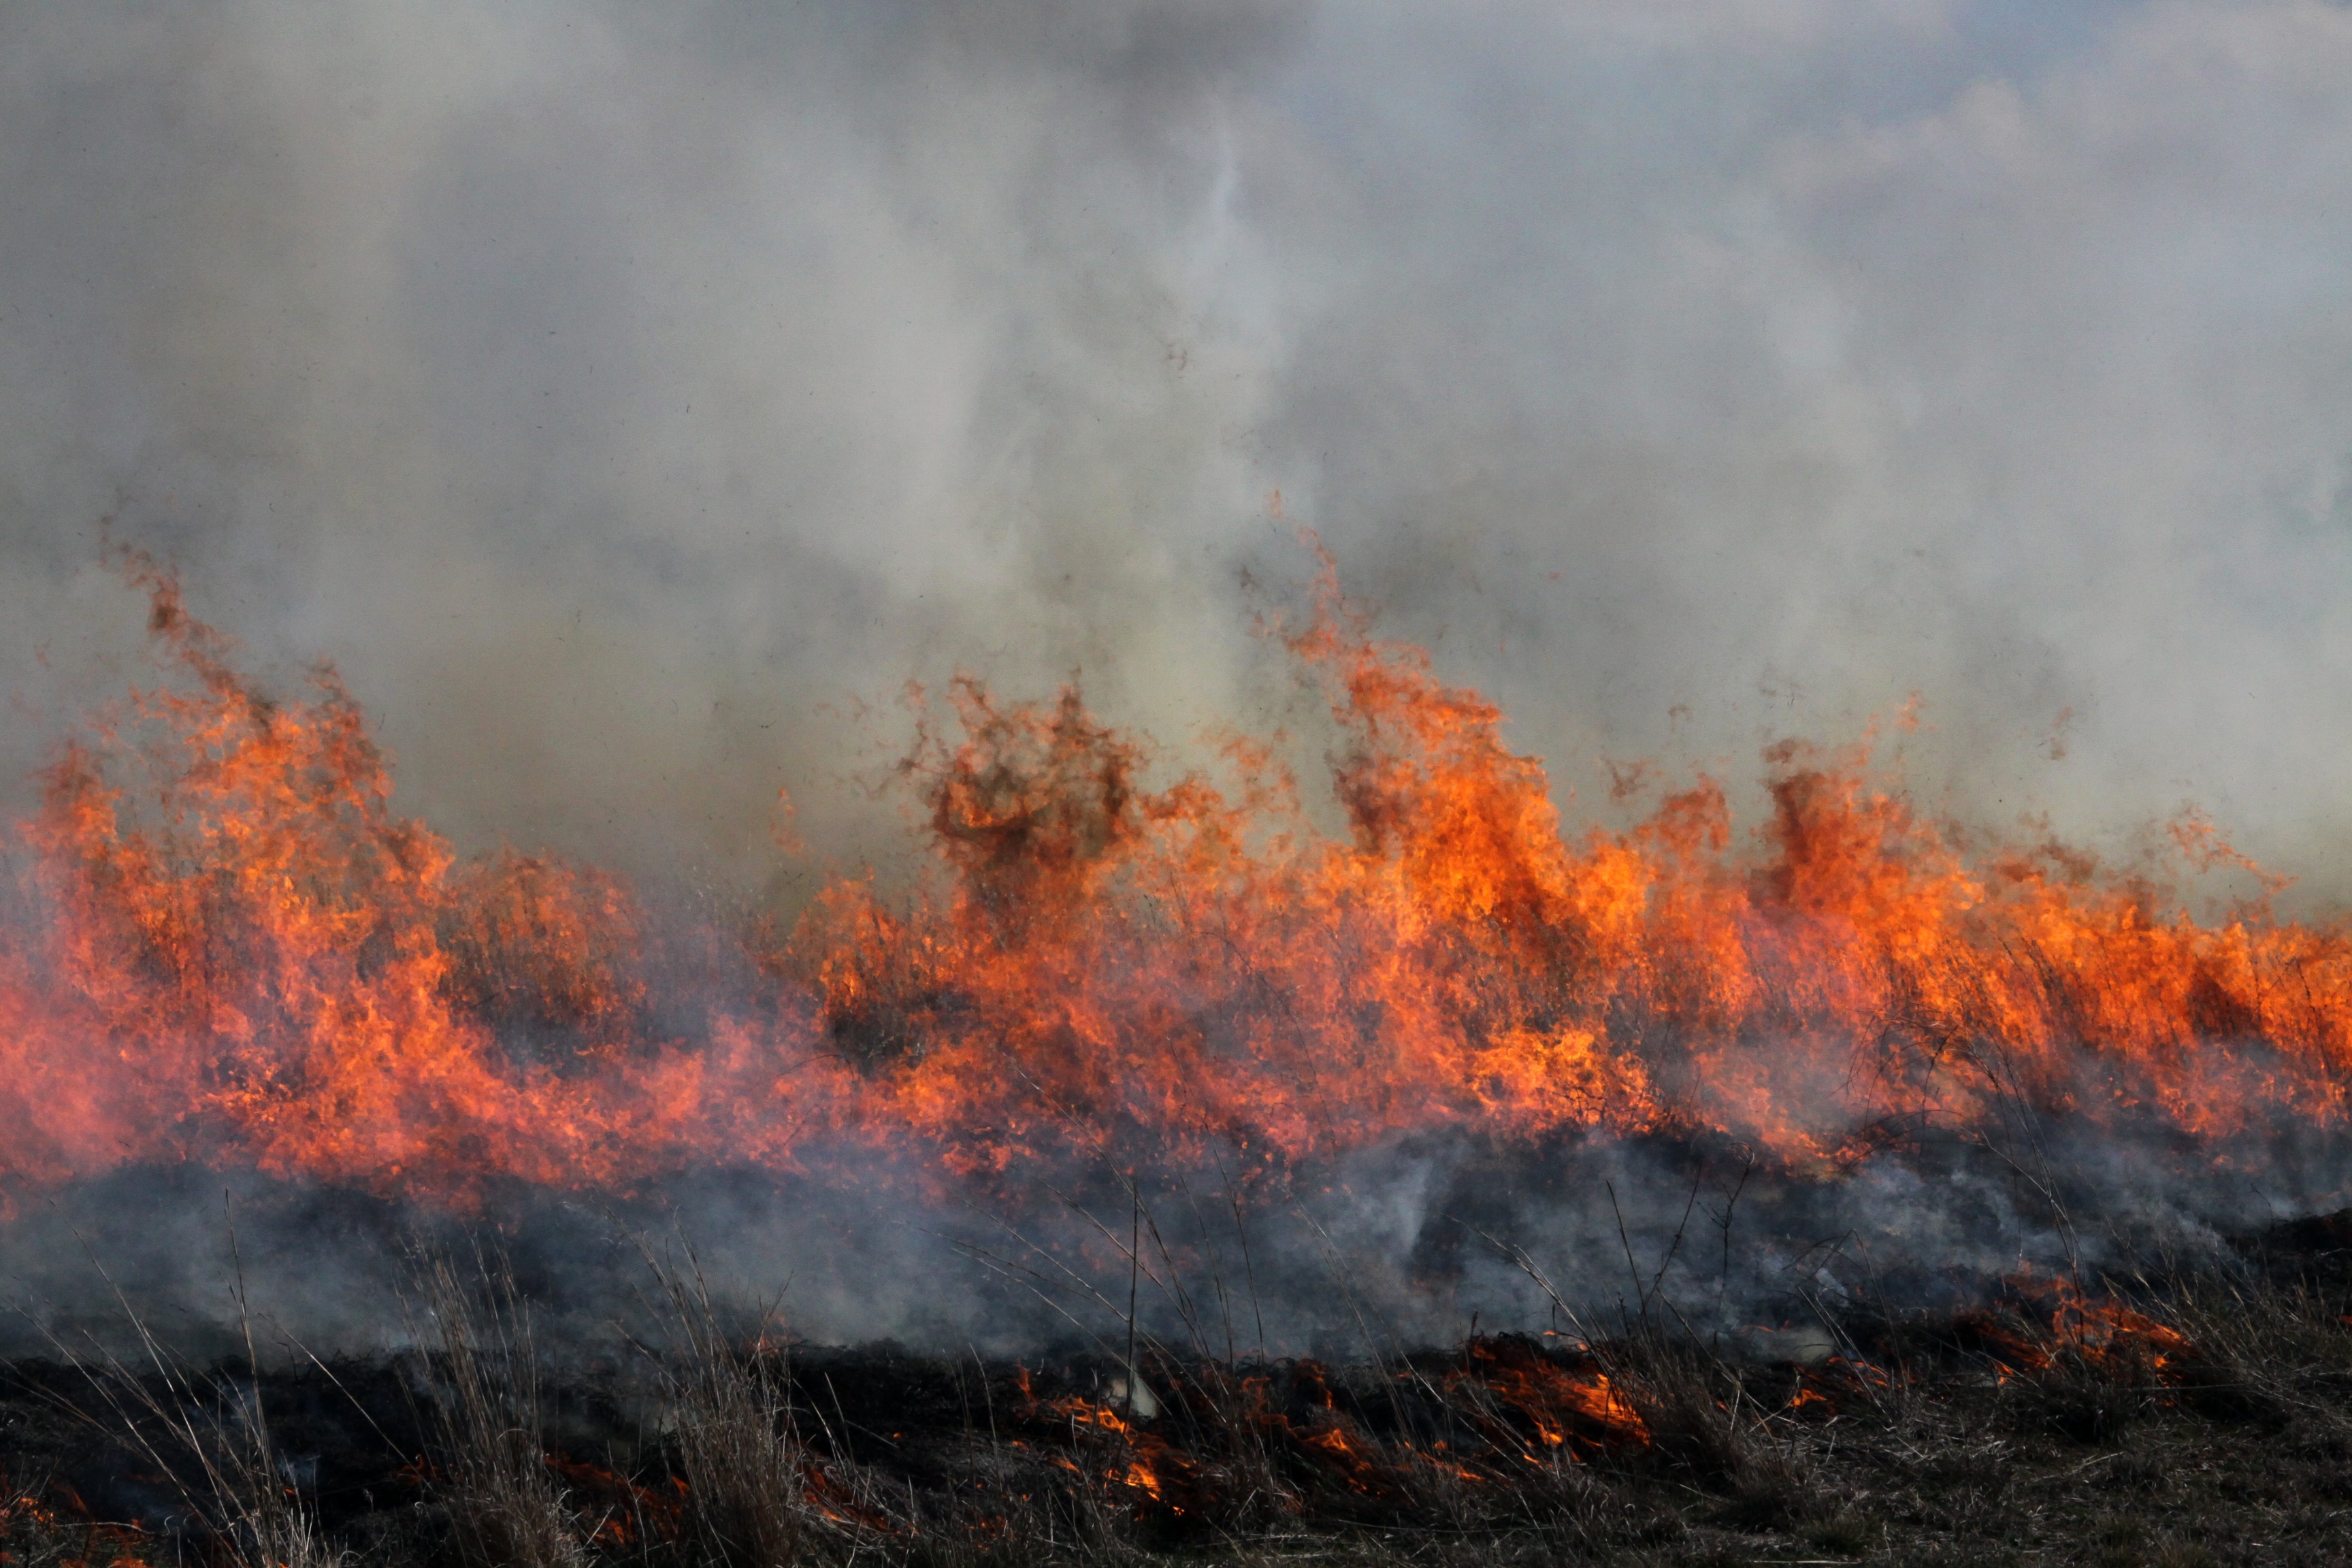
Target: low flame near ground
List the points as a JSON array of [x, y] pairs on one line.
[[1506, 1434], [240, 955]]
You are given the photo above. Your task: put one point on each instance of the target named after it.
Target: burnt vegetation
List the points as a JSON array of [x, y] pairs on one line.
[[240, 958], [2202, 1417]]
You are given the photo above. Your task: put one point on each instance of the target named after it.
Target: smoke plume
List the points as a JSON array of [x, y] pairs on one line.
[[629, 401]]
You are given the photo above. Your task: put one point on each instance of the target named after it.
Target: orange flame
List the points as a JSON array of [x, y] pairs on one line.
[[245, 956], [621, 1506], [1568, 1406], [2097, 1330], [1159, 1474]]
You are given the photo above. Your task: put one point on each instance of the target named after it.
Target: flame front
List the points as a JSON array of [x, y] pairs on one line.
[[241, 955]]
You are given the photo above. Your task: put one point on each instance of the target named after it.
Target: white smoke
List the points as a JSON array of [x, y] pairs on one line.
[[624, 396]]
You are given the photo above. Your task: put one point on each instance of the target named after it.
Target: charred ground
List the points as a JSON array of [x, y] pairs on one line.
[[1138, 1002], [2200, 1417]]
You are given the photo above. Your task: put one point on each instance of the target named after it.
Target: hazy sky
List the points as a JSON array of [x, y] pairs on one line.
[[622, 394]]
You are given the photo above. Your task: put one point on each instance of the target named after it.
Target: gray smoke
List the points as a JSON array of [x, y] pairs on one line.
[[1401, 1246], [628, 398]]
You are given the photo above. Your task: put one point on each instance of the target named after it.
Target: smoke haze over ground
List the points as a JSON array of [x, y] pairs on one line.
[[1399, 1246], [607, 390], [630, 400]]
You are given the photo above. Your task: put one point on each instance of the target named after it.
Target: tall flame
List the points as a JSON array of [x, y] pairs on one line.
[[243, 955]]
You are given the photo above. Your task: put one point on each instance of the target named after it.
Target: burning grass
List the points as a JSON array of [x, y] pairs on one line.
[[2207, 1418], [236, 957], [238, 954]]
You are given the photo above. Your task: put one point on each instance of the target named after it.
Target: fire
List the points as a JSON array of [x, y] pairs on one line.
[[102, 1545], [1574, 1407], [243, 956], [1156, 1474], [2055, 1318], [620, 1510]]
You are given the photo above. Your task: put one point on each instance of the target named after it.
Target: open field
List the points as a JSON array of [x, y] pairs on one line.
[[1142, 996], [2201, 1418]]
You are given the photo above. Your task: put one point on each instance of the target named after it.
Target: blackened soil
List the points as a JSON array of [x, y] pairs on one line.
[[2203, 1420]]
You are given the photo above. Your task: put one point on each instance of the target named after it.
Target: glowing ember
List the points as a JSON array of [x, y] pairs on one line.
[[1158, 1475], [1565, 1406], [2055, 1320]]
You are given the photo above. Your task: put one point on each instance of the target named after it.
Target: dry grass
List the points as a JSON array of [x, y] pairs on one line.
[[2233, 1446], [204, 1433], [482, 1390], [746, 1471]]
